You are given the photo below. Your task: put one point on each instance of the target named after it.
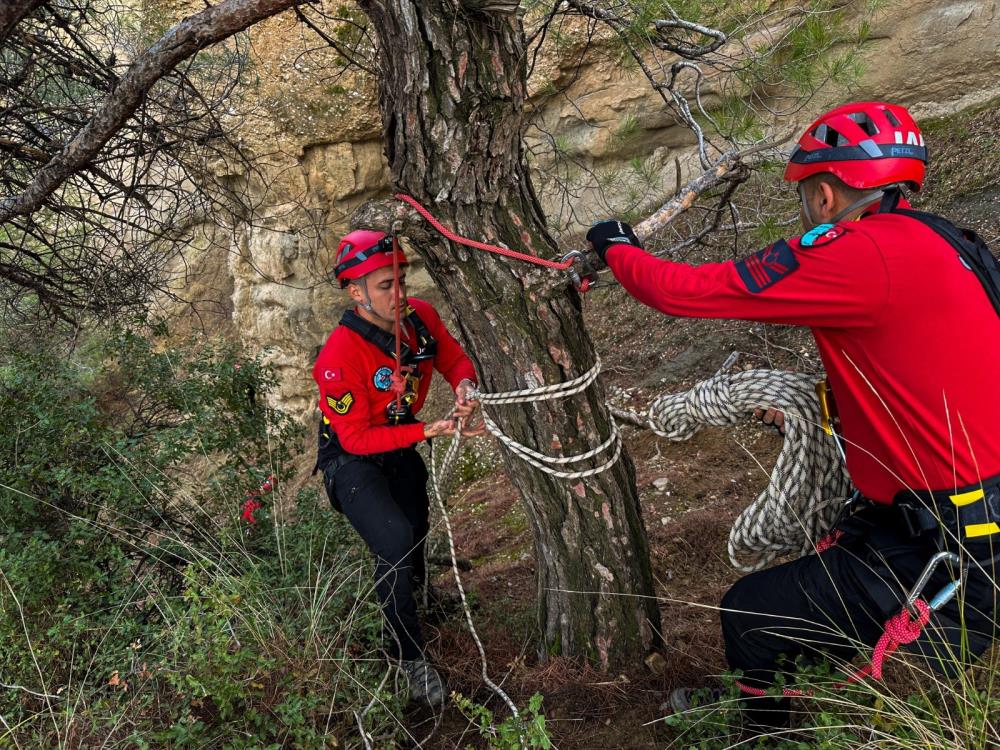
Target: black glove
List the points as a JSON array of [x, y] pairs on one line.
[[611, 232]]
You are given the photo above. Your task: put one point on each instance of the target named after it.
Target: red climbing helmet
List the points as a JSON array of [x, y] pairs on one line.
[[866, 144], [361, 252]]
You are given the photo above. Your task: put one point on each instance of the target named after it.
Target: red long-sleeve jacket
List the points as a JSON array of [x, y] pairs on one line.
[[909, 339], [353, 376]]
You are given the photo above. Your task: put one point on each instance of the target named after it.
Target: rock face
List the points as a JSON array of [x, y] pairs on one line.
[[317, 141]]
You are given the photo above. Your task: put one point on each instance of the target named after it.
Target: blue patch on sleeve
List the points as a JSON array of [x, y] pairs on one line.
[[822, 235], [767, 267]]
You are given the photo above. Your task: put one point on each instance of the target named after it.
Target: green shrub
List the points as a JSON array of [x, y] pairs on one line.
[[136, 607]]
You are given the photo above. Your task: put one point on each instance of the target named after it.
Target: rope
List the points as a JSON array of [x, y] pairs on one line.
[[438, 477], [900, 629], [809, 480], [541, 461], [496, 249]]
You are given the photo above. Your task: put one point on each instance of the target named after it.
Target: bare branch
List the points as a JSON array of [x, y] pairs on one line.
[[13, 12], [183, 40], [685, 198]]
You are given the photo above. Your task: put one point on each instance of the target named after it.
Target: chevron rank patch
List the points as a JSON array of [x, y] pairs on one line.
[[821, 235], [341, 405], [767, 267]]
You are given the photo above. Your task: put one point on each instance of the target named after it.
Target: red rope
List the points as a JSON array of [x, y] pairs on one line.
[[559, 265], [829, 541], [397, 376], [900, 629]]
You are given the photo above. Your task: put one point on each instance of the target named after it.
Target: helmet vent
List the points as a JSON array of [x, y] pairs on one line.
[[829, 136], [864, 122], [893, 120]]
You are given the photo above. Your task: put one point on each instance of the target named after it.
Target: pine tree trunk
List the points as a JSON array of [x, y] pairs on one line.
[[453, 80]]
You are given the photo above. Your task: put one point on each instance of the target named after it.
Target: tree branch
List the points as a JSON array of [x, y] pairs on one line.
[[190, 36], [13, 12], [727, 165]]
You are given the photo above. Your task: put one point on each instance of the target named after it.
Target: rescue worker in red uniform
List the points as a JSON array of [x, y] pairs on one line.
[[367, 445], [910, 341]]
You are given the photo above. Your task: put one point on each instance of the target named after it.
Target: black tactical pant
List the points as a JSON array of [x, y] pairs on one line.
[[385, 499], [835, 603]]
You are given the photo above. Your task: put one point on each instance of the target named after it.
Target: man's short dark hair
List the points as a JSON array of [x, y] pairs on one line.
[[851, 194]]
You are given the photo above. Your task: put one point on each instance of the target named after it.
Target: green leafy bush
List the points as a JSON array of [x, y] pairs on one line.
[[136, 607]]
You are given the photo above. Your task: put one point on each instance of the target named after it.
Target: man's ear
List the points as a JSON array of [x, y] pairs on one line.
[[355, 291], [829, 197]]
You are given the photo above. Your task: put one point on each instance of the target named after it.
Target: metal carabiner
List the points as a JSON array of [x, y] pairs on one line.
[[947, 592], [586, 276]]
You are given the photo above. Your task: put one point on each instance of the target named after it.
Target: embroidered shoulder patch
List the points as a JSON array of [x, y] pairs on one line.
[[821, 235], [382, 378], [333, 374], [767, 267], [341, 405]]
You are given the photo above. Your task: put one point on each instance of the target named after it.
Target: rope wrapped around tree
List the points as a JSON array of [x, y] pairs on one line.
[[809, 482]]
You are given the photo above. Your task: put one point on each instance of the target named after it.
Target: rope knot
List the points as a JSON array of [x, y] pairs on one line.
[[900, 629]]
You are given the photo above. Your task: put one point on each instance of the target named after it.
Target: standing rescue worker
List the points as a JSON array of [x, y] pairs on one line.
[[910, 341], [371, 469]]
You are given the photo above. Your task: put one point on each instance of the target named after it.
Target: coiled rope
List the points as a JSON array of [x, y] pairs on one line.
[[807, 486], [809, 481]]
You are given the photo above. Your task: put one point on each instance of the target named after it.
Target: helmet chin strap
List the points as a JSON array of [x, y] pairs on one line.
[[861, 202], [367, 304]]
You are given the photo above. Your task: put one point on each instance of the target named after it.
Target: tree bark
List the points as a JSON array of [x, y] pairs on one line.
[[453, 93]]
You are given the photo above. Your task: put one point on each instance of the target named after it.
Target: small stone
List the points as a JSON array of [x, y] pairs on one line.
[[665, 520], [656, 663], [661, 484]]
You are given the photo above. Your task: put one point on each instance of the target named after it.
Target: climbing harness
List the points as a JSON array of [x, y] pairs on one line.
[[400, 410]]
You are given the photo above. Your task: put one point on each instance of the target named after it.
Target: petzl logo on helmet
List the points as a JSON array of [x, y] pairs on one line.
[[821, 235], [767, 267], [341, 405], [383, 378]]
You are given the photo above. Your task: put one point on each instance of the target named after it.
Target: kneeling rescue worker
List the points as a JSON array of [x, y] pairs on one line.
[[905, 312], [371, 469]]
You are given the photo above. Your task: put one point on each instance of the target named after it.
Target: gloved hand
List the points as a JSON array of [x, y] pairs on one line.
[[611, 232]]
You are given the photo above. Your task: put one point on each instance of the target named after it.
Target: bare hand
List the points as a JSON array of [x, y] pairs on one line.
[[473, 430], [772, 418], [464, 407], [439, 428]]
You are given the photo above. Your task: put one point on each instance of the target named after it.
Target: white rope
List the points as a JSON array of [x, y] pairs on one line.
[[438, 477], [541, 461], [541, 393], [809, 482]]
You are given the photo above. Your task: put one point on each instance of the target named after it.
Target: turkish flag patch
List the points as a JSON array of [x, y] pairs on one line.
[[767, 267], [333, 374]]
